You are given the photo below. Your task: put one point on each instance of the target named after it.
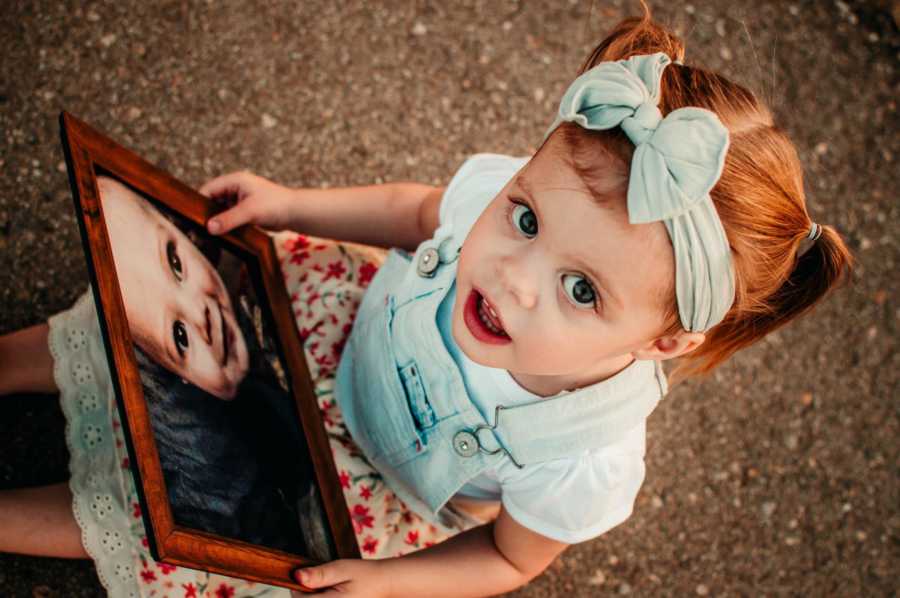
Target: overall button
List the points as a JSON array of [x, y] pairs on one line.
[[465, 444], [428, 262]]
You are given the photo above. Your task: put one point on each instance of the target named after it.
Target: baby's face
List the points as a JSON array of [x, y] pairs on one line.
[[177, 307], [531, 254]]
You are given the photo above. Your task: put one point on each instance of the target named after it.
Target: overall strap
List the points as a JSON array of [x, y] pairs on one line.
[[592, 417]]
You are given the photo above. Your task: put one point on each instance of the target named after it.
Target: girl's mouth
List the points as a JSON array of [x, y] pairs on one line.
[[481, 322]]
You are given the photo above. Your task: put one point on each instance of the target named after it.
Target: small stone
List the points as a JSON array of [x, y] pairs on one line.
[[92, 16], [539, 94], [768, 508], [792, 540], [725, 53], [791, 441], [872, 332], [108, 40], [689, 8], [61, 166], [613, 560], [657, 502], [268, 121], [873, 37], [702, 590], [222, 93], [419, 29], [821, 148], [506, 25], [624, 589], [598, 579], [865, 243], [133, 113], [806, 399], [880, 297], [861, 536], [794, 10], [720, 27], [140, 49]]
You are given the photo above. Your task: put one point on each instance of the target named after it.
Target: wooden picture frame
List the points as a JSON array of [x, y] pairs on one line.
[[89, 155]]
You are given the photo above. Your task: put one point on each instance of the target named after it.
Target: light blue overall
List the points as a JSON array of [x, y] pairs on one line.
[[405, 404]]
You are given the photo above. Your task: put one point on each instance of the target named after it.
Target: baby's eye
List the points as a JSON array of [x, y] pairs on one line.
[[580, 290], [524, 220], [180, 336], [174, 260]]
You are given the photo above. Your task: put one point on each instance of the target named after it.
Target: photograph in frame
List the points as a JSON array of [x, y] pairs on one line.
[[227, 444]]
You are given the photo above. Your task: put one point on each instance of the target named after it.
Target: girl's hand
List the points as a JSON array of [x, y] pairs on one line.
[[349, 578], [253, 200]]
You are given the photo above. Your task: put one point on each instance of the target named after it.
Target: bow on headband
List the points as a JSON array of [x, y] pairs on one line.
[[677, 160]]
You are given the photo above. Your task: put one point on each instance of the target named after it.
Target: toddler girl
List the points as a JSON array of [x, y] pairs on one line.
[[497, 380]]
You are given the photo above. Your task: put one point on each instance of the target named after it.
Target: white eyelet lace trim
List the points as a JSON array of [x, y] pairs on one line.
[[99, 498], [101, 488]]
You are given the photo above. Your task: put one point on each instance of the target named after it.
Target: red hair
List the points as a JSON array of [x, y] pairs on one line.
[[759, 198]]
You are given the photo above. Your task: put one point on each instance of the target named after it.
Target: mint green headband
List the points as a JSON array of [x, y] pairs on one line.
[[677, 160]]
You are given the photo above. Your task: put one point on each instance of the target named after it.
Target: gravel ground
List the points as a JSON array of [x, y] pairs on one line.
[[775, 476]]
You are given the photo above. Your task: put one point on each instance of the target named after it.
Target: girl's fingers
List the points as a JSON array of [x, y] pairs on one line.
[[322, 576], [231, 218], [225, 185]]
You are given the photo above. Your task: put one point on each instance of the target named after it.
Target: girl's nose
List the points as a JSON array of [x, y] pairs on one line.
[[519, 280]]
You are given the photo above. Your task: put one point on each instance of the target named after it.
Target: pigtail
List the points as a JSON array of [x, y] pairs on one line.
[[634, 36]]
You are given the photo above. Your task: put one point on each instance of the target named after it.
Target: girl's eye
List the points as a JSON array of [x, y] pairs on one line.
[[174, 260], [580, 290], [524, 220], [180, 336]]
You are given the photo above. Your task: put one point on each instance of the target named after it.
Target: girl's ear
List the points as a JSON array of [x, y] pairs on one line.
[[670, 346]]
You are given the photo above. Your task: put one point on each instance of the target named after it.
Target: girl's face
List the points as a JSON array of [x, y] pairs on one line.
[[575, 287], [177, 307]]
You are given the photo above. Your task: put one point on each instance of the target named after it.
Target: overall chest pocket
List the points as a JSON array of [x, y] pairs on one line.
[[390, 406]]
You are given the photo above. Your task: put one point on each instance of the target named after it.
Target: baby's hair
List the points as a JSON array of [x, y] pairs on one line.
[[759, 197]]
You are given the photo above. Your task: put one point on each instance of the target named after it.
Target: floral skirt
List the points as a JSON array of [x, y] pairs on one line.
[[325, 280]]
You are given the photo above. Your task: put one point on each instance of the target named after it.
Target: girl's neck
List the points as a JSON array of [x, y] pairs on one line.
[[548, 386]]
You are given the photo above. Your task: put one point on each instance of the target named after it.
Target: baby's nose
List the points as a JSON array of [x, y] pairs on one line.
[[201, 319]]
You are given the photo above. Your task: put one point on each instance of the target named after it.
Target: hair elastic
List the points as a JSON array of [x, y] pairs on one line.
[[815, 231]]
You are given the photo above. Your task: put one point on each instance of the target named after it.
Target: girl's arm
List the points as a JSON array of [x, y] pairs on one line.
[[389, 215], [483, 561]]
